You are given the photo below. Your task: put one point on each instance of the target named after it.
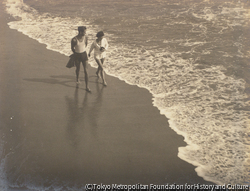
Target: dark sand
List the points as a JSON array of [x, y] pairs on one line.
[[53, 130]]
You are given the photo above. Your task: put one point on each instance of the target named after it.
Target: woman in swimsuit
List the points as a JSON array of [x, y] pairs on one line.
[[100, 45]]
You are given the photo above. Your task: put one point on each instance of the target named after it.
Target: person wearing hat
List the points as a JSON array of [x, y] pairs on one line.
[[100, 45], [78, 47]]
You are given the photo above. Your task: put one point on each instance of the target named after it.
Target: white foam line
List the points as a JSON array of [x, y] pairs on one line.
[[178, 73]]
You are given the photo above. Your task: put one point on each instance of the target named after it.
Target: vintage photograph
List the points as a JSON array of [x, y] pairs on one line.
[[124, 95]]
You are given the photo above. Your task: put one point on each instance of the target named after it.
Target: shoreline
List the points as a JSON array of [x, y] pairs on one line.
[[57, 125]]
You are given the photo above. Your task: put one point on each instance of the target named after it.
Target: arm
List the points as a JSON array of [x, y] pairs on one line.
[[86, 41], [91, 48], [106, 45], [73, 43]]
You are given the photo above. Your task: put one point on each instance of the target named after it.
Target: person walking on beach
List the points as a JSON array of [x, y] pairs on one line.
[[78, 47], [100, 45]]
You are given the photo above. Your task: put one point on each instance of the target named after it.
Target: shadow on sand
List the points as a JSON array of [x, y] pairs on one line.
[[65, 80]]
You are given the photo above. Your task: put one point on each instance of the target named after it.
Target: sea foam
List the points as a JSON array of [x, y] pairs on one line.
[[202, 104]]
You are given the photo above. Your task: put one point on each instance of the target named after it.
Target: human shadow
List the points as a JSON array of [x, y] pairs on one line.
[[91, 78], [64, 80], [83, 116], [51, 81]]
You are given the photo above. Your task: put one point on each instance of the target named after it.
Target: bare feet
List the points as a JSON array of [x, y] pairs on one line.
[[105, 83], [78, 81], [88, 90]]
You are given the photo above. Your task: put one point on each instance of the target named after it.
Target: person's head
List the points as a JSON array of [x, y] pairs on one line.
[[82, 30], [100, 34]]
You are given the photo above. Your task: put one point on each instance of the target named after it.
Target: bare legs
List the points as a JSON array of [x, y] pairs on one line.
[[85, 74], [100, 70], [77, 72]]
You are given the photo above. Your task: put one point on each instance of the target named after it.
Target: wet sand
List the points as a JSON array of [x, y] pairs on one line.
[[55, 131]]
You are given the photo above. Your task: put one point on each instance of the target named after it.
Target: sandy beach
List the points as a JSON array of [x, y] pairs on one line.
[[53, 130]]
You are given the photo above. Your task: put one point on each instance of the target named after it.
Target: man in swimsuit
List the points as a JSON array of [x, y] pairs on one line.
[[78, 46]]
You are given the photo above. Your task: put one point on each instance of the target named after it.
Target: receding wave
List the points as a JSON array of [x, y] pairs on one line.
[[202, 104]]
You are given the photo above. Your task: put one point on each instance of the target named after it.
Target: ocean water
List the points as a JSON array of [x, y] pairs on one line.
[[193, 57]]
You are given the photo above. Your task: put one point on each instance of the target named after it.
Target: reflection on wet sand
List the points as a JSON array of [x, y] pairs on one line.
[[83, 116]]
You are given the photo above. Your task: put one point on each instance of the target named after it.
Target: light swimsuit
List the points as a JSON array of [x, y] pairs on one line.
[[80, 47], [97, 53]]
